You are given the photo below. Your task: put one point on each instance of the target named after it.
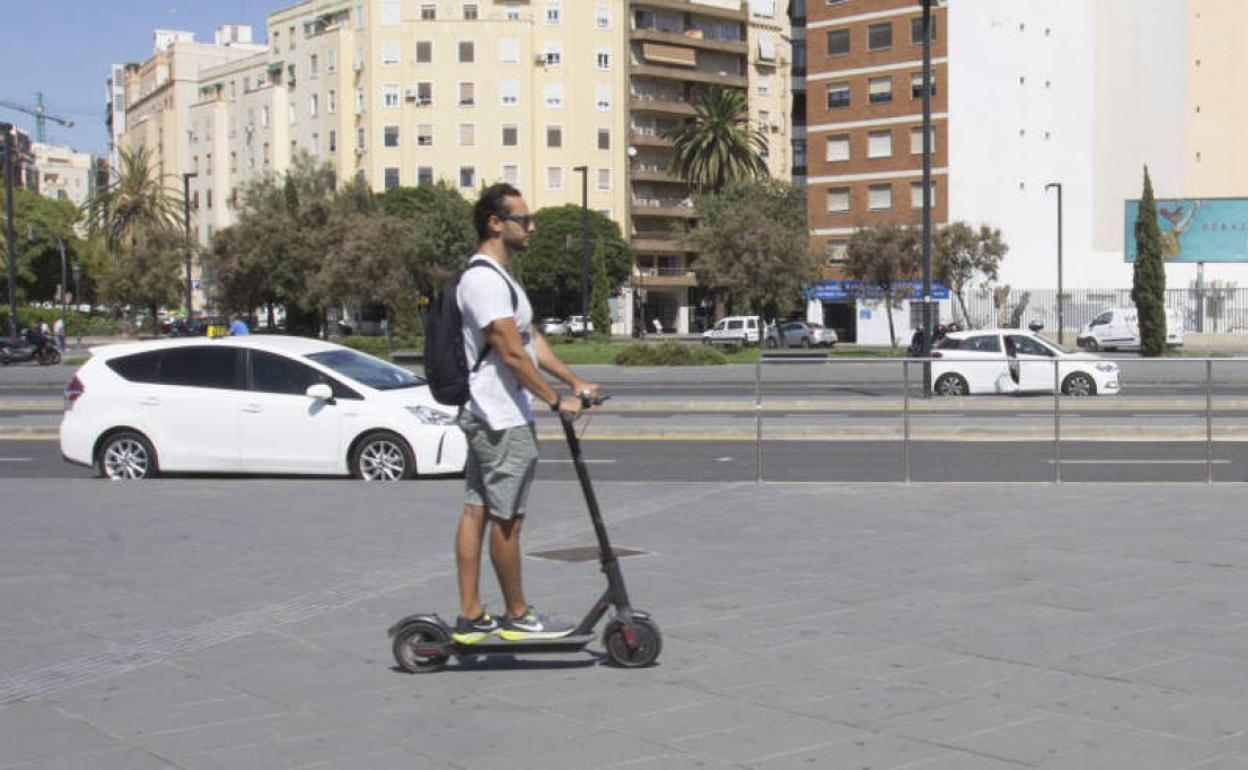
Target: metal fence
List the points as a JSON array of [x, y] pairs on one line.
[[1216, 310]]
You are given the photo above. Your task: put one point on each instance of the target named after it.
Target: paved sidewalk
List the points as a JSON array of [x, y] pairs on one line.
[[241, 624]]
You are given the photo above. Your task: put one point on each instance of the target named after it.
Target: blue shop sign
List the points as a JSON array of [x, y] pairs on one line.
[[846, 291]]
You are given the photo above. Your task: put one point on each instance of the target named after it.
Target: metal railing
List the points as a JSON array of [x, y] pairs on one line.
[[912, 369], [1214, 309]]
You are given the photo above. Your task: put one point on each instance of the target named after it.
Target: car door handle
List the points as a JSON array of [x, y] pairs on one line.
[[149, 401], [253, 409]]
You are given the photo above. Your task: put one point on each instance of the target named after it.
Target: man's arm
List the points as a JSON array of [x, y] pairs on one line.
[[503, 336]]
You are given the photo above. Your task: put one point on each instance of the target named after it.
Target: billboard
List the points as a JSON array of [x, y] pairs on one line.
[[844, 291], [1196, 229]]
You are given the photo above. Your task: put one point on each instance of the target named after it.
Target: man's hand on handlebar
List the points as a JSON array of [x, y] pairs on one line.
[[587, 394]]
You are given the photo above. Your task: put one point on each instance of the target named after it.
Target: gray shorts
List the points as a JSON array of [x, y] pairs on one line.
[[500, 466]]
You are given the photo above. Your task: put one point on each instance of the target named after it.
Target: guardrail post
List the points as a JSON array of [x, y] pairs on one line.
[[758, 419], [1208, 420], [905, 418], [1057, 423]]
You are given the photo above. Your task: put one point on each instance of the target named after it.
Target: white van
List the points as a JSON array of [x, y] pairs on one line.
[[735, 330], [1119, 328]]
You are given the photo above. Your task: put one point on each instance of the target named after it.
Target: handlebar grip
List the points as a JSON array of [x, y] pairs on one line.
[[588, 400]]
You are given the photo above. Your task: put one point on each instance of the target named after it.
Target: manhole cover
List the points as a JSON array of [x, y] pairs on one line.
[[584, 553]]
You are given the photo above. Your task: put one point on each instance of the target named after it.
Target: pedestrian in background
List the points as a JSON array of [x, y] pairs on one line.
[[238, 327]]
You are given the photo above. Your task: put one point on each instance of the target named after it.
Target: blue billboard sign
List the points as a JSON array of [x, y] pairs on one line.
[[848, 291], [1196, 229]]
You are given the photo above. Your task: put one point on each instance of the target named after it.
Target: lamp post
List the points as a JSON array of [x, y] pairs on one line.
[[1060, 318], [7, 130], [584, 172], [60, 242], [186, 221], [78, 295], [927, 195]]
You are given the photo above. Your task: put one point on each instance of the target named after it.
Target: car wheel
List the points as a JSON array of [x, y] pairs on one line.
[[382, 456], [126, 455], [951, 385], [1090, 345], [1078, 384]]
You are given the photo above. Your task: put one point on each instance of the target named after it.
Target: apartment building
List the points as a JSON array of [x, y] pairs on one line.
[[64, 173]]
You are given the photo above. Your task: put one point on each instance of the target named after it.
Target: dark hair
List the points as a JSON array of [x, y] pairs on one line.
[[492, 203]]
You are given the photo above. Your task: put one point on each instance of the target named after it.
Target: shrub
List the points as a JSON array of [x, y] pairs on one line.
[[669, 353]]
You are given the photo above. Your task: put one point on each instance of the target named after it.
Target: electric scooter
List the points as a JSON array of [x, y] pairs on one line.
[[423, 643]]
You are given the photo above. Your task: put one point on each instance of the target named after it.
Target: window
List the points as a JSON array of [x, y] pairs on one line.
[[331, 60], [602, 98], [361, 139], [424, 175], [331, 101], [838, 95], [264, 117], [313, 66], [359, 17], [916, 140], [467, 134], [424, 51], [424, 135], [314, 105], [389, 13], [554, 136], [509, 50], [511, 136], [467, 52], [916, 29], [554, 54], [424, 93], [604, 138], [879, 144], [838, 252], [470, 11], [200, 366], [838, 42], [838, 200], [880, 36], [428, 12], [390, 95], [799, 153], [391, 178], [467, 94], [602, 16], [390, 54], [333, 141], [391, 134], [880, 89], [880, 197], [602, 58], [553, 93], [553, 11], [916, 195], [604, 180], [359, 100], [511, 12], [916, 85], [764, 85], [467, 176], [838, 147], [291, 114], [511, 174], [554, 177], [509, 93], [208, 197]]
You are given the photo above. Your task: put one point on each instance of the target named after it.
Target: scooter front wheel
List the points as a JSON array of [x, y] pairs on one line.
[[646, 645], [421, 647]]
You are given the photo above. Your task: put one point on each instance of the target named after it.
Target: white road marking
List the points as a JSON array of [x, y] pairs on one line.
[[587, 462], [723, 459], [1139, 462], [14, 459]]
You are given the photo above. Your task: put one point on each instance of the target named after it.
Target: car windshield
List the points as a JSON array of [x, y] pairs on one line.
[[373, 372]]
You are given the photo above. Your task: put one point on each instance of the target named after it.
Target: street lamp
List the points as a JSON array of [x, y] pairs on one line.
[[186, 221], [78, 296], [584, 172], [927, 195], [7, 130], [1060, 319]]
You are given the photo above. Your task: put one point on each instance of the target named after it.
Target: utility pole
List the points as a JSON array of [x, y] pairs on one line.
[[7, 130], [1061, 325], [584, 172], [928, 324], [186, 222]]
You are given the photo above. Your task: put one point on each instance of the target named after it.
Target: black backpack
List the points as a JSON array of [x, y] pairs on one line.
[[446, 366]]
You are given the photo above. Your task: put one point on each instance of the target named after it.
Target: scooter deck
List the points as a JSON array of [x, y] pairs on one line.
[[494, 645]]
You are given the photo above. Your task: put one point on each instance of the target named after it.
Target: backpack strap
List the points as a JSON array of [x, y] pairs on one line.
[[515, 303]]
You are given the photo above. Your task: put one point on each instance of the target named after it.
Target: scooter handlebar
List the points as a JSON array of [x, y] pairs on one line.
[[588, 399]]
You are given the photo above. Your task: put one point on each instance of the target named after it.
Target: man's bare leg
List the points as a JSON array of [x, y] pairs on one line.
[[468, 537], [505, 554]]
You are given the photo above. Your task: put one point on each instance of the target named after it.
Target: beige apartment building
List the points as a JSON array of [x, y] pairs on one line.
[[64, 173]]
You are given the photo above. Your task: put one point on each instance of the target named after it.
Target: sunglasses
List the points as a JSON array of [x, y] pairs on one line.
[[524, 220]]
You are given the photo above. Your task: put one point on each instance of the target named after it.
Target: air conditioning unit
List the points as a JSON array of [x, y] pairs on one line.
[[411, 94], [358, 66], [359, 150]]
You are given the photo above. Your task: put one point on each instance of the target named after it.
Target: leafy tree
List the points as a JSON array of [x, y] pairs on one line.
[[445, 236], [599, 305], [882, 256], [718, 145], [551, 270], [148, 272], [135, 204], [1148, 286], [37, 223], [960, 254], [753, 246]]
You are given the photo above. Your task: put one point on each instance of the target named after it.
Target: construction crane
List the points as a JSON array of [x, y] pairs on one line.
[[41, 115]]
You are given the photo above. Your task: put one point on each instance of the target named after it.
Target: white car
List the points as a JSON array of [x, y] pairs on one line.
[[576, 325], [740, 330], [1119, 329], [552, 326], [1013, 361], [258, 404]]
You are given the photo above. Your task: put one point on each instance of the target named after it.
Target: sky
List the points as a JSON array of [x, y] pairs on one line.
[[64, 48]]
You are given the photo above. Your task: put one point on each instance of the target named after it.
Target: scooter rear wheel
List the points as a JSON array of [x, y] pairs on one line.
[[421, 647], [647, 643]]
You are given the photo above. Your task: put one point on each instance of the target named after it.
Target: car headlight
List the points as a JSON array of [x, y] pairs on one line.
[[431, 416], [1107, 367]]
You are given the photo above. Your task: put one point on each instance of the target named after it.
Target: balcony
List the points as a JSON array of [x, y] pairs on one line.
[[671, 208], [653, 173], [736, 13], [648, 103], [660, 277], [694, 38], [688, 75], [648, 137], [661, 241]]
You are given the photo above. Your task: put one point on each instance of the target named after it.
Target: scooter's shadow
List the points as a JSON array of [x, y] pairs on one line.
[[506, 662]]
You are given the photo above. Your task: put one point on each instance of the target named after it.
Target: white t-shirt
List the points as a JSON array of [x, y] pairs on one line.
[[497, 396]]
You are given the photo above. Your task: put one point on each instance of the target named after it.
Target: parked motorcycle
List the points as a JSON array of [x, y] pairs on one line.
[[30, 346]]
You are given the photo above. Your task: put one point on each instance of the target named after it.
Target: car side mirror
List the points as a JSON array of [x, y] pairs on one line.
[[321, 392]]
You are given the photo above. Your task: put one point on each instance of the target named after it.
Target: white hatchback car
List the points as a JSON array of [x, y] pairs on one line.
[[258, 404], [1012, 361]]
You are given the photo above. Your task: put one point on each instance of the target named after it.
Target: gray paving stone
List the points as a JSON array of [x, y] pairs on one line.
[[870, 751], [863, 707], [1137, 751], [123, 758], [945, 723], [772, 737], [1039, 739]]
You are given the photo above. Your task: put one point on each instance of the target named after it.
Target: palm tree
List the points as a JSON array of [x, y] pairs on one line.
[[135, 204], [718, 145]]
